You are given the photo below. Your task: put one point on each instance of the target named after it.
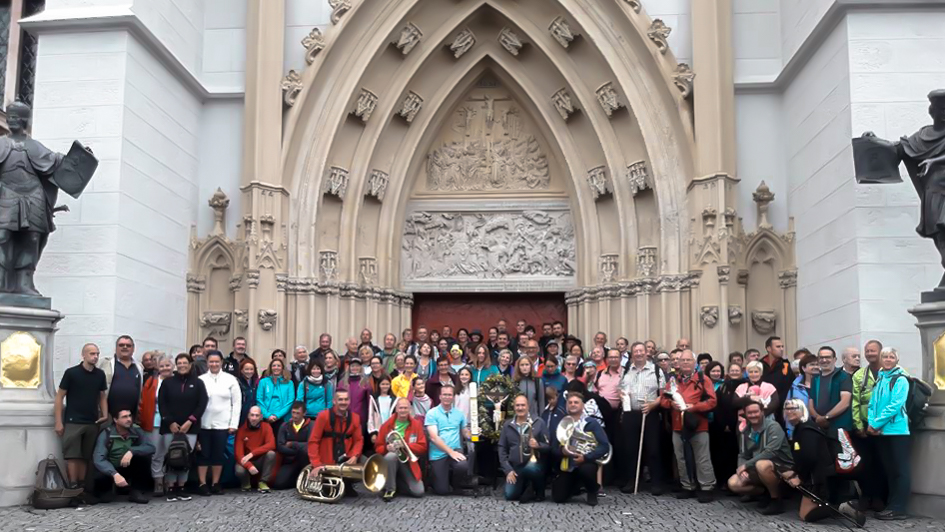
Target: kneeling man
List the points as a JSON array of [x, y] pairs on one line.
[[763, 452], [122, 459], [402, 476]]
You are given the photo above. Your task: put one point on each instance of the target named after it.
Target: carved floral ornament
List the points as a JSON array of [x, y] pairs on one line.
[[267, 319], [314, 42], [608, 99], [367, 102], [637, 177], [196, 283], [462, 43], [734, 315], [377, 184], [328, 265], [338, 9], [563, 104], [659, 33], [635, 5], [646, 261], [561, 31], [410, 36], [242, 318], [291, 87], [510, 41], [684, 78], [787, 279], [367, 270], [336, 181]]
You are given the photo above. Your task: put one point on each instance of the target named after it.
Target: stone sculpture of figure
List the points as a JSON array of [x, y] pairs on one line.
[[31, 176], [923, 154]]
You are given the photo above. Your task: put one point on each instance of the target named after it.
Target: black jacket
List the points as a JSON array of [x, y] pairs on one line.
[[299, 448], [813, 459], [182, 398], [779, 375], [725, 414]]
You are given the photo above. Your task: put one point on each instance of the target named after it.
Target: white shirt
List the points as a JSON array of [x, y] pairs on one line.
[[224, 401]]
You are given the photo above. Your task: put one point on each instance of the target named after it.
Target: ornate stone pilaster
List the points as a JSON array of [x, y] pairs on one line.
[[563, 104], [510, 41], [608, 99], [561, 31], [410, 36], [659, 33], [463, 42]]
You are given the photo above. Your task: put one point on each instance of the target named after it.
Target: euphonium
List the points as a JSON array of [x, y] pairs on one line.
[[396, 442], [578, 441], [328, 486]]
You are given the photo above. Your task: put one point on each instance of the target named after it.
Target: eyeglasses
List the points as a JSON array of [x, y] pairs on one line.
[[662, 359]]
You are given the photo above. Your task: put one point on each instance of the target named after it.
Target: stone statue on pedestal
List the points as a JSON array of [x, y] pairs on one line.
[[31, 176], [923, 154]]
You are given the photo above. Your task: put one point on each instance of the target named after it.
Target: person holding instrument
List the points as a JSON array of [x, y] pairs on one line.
[[578, 465], [522, 445], [403, 463]]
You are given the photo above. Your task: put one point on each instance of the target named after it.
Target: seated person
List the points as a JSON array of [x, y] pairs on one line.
[[336, 438], [446, 427], [525, 479], [254, 452], [402, 476], [122, 459], [763, 452], [578, 469], [292, 446]]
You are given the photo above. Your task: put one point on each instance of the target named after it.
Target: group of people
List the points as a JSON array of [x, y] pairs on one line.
[[754, 425]]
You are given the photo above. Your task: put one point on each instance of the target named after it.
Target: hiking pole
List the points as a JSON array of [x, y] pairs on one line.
[[821, 502]]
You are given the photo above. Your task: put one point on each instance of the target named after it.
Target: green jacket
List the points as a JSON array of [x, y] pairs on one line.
[[863, 382], [773, 445]]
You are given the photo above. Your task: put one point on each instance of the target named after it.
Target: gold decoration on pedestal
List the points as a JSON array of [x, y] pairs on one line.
[[20, 361], [939, 368]]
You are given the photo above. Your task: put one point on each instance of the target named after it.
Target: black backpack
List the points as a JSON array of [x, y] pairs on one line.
[[178, 454], [917, 399], [51, 490]]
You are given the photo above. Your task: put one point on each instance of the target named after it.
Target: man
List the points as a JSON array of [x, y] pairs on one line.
[[650, 350], [254, 452], [530, 331], [578, 469], [682, 344], [777, 372], [736, 358], [447, 333], [232, 363], [850, 360], [524, 477], [752, 354], [351, 350], [299, 366], [674, 361], [446, 428], [600, 340], [123, 459], [872, 481], [475, 337], [124, 376], [502, 326], [764, 451], [558, 333], [444, 377], [608, 382], [831, 394], [324, 347], [502, 342], [336, 438], [83, 388], [423, 335], [292, 446], [389, 354], [623, 346], [402, 476], [640, 398], [696, 392], [546, 335], [493, 339], [367, 339], [147, 364]]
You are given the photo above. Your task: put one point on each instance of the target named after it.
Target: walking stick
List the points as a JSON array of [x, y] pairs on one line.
[[636, 481]]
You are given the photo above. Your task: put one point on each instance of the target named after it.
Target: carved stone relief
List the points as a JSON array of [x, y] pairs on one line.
[[637, 177], [646, 261], [336, 182], [510, 41], [764, 321], [609, 267], [377, 184], [787, 279], [598, 182], [252, 279], [710, 316], [734, 315], [724, 272], [291, 87], [367, 102], [338, 9], [242, 318], [411, 106], [328, 265], [684, 77], [608, 99], [493, 245], [217, 323], [561, 31], [235, 282], [659, 33], [267, 319], [463, 42], [562, 102], [314, 42], [196, 283], [367, 270], [409, 38]]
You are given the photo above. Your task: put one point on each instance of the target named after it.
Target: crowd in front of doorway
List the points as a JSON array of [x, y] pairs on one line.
[[760, 426]]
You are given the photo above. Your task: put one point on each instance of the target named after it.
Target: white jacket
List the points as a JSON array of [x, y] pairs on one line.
[[224, 401]]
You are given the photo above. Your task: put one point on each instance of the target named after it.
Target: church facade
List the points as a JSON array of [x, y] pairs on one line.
[[276, 169]]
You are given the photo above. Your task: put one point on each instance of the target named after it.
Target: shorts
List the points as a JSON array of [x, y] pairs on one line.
[[78, 441], [212, 447]]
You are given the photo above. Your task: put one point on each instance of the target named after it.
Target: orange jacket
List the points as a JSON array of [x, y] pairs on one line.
[[148, 404], [414, 436], [321, 443], [258, 441], [691, 392]]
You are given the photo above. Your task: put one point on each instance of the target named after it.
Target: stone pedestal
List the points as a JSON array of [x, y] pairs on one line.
[[928, 443], [27, 392]]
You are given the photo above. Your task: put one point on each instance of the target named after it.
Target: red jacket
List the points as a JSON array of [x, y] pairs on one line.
[[691, 392], [414, 436], [258, 441], [321, 444], [148, 403]]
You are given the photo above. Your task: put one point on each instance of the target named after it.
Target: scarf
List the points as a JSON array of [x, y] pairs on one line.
[[316, 380]]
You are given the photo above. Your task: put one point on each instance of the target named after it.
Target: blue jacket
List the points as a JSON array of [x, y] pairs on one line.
[[887, 412], [317, 397], [557, 380], [801, 393], [275, 399], [480, 375]]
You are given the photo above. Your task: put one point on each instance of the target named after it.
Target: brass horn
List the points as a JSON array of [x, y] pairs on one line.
[[395, 442], [328, 486]]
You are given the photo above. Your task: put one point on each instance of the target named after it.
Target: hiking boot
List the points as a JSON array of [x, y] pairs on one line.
[[592, 498], [204, 490], [246, 485], [685, 494], [216, 489], [705, 496], [137, 497], [775, 507], [388, 495]]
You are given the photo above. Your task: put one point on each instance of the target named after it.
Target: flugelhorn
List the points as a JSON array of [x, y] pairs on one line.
[[396, 442], [328, 485]]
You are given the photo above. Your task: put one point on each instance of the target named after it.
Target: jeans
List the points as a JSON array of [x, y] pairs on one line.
[[567, 484], [895, 452], [400, 477], [262, 463], [442, 469], [703, 463], [528, 473]]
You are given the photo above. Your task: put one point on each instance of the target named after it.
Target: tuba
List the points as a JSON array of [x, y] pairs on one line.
[[578, 441], [396, 442], [328, 486]]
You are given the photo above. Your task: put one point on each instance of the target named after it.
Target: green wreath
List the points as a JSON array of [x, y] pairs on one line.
[[501, 385]]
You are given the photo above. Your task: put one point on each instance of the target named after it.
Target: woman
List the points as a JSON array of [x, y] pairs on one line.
[[530, 386], [399, 362], [354, 380], [380, 408], [590, 376], [314, 390], [756, 390], [182, 401], [149, 417], [377, 373], [551, 375], [800, 389], [435, 337], [276, 354], [481, 366], [221, 418], [571, 369], [463, 390], [275, 395], [442, 347], [248, 380], [426, 363], [717, 427], [333, 368], [504, 363], [401, 383], [889, 423], [577, 350], [462, 337], [421, 403]]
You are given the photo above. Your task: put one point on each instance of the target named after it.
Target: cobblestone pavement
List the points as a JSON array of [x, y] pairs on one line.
[[285, 511]]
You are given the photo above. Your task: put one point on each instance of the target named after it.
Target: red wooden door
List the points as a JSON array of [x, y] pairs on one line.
[[481, 311]]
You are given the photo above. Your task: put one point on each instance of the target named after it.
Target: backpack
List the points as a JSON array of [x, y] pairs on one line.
[[178, 454], [917, 399], [51, 490]]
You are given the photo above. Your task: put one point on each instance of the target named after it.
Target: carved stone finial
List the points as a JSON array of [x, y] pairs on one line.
[[367, 270], [638, 178], [561, 31], [267, 319], [411, 106], [710, 316], [510, 41], [338, 9], [218, 202], [659, 33], [328, 265], [635, 5], [367, 101], [410, 36], [562, 102], [609, 267], [763, 198], [291, 87], [377, 184], [608, 99], [598, 182], [646, 261], [314, 42], [684, 77], [463, 42]]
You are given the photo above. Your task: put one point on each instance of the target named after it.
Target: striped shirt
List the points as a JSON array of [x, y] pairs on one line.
[[639, 386]]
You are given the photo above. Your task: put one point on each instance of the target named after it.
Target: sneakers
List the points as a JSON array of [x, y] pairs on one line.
[[138, 497], [246, 485], [204, 490], [172, 494], [889, 515], [388, 496], [592, 498], [183, 495], [216, 489], [850, 511], [775, 507], [685, 494], [263, 487], [705, 496]]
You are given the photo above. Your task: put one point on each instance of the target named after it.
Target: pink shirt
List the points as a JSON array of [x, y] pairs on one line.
[[608, 386]]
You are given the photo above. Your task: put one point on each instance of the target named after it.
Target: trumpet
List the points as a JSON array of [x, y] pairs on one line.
[[579, 442], [395, 442], [328, 486]]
